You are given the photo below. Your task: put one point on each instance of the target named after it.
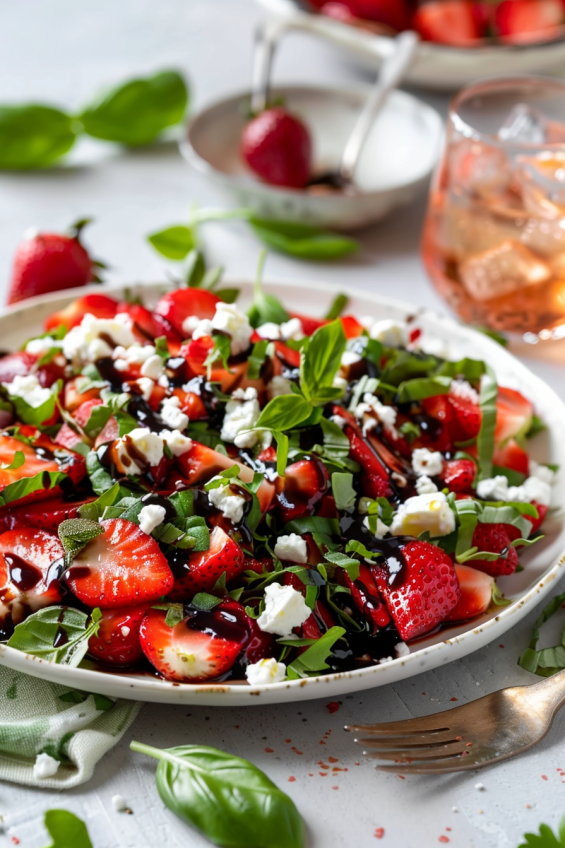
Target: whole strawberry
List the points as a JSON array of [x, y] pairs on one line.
[[48, 262], [277, 146]]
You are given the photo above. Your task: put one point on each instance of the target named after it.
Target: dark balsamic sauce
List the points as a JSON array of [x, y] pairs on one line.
[[23, 574], [352, 527], [145, 416], [176, 369], [107, 370], [268, 469]]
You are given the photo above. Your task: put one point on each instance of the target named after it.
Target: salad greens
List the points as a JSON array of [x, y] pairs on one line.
[[66, 830], [57, 634]]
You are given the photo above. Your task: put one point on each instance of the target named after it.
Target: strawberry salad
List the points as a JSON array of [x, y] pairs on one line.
[[208, 494]]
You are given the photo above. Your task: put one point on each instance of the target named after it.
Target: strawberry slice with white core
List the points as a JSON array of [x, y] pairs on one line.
[[203, 646], [117, 641], [27, 582], [514, 415], [476, 592], [123, 566]]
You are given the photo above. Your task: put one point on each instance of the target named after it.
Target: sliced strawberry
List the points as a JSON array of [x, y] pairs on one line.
[[109, 433], [199, 572], [537, 522], [46, 514], [17, 364], [424, 594], [117, 641], [144, 324], [191, 404], [459, 475], [494, 538], [99, 305], [366, 598], [39, 458], [374, 479], [289, 356], [514, 415], [177, 306], [512, 456], [392, 13], [447, 22], [259, 644], [27, 582], [69, 438], [203, 646], [475, 596], [435, 424], [123, 566], [351, 327], [302, 488], [165, 328], [465, 421], [309, 325], [74, 398], [528, 21]]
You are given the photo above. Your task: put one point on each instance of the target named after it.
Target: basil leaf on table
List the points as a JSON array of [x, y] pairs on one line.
[[138, 111], [176, 243], [34, 136], [226, 798], [547, 661], [40, 634], [66, 830], [301, 240]]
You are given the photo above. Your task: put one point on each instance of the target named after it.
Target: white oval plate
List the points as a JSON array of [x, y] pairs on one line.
[[543, 563], [436, 66]]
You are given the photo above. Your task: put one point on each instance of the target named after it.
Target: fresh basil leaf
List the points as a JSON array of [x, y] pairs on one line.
[[313, 524], [485, 439], [195, 269], [335, 440], [468, 519], [284, 412], [302, 241], [343, 490], [17, 462], [282, 451], [256, 359], [471, 369], [405, 365], [343, 561], [535, 660], [228, 295], [226, 798], [93, 511], [173, 242], [137, 112], [204, 601], [100, 479], [211, 278], [320, 361], [537, 426], [410, 431], [221, 351], [66, 830], [515, 478], [35, 415], [33, 136], [183, 503], [340, 301], [356, 547], [75, 534], [45, 480], [266, 308], [126, 423], [175, 614], [40, 634], [314, 659], [423, 387]]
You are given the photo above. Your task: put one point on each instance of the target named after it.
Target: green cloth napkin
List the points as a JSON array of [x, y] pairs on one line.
[[70, 726]]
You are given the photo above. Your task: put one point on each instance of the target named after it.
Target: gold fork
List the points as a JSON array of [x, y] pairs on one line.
[[485, 731]]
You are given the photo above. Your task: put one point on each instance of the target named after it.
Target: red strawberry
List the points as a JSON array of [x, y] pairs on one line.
[[309, 324], [26, 582], [143, 323], [475, 589], [351, 327], [512, 456], [201, 571], [288, 355], [513, 415], [302, 488], [494, 538], [426, 593], [465, 420], [48, 262], [46, 514], [117, 641], [176, 306], [74, 398], [366, 598], [447, 22], [459, 475], [99, 305], [393, 13], [69, 438], [374, 479], [435, 424], [39, 458], [123, 566], [204, 645], [277, 146], [537, 522], [527, 21], [16, 365]]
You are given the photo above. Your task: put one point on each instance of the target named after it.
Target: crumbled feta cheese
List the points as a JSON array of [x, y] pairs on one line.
[[542, 472], [119, 803], [190, 324], [291, 548], [270, 330], [163, 381], [424, 513], [229, 319], [367, 322], [339, 420], [203, 328], [40, 346], [152, 367], [28, 388], [532, 489], [176, 441], [463, 389], [493, 488], [348, 358], [125, 631], [45, 766], [425, 486], [265, 671], [172, 415], [402, 649], [285, 609], [480, 787], [433, 346], [292, 330], [150, 517], [278, 386], [230, 505], [384, 660], [427, 462], [390, 333], [146, 443], [136, 354], [146, 384], [372, 406], [242, 413], [339, 383], [83, 344]]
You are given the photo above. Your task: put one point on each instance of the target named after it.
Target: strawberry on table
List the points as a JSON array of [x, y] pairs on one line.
[[123, 566], [494, 538], [200, 571], [202, 646], [117, 641], [27, 582], [277, 146], [476, 591]]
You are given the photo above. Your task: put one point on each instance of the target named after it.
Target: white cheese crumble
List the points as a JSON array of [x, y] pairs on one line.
[[146, 385], [425, 486], [40, 346], [348, 358], [376, 412], [45, 766], [292, 330], [230, 505], [203, 328], [242, 413], [152, 367], [381, 530], [28, 388], [172, 414], [270, 330], [493, 488], [150, 517], [285, 609], [532, 489], [176, 441], [463, 389], [339, 420], [401, 649], [265, 671], [424, 513], [229, 319], [83, 344], [278, 386], [427, 462], [433, 346], [390, 333], [542, 472], [136, 354], [291, 548], [119, 803], [190, 324], [148, 444]]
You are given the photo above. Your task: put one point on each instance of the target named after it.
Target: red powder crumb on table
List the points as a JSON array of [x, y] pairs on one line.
[[269, 751], [453, 699], [15, 840], [544, 777], [296, 751], [288, 741], [291, 779], [401, 776], [335, 787], [333, 760], [444, 839], [333, 707], [379, 832]]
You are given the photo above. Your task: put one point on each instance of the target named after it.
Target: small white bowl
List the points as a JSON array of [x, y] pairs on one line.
[[399, 154]]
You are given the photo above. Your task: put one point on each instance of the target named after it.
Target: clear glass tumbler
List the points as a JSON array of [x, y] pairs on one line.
[[494, 237]]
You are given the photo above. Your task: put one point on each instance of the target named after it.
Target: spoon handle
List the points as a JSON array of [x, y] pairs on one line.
[[391, 73]]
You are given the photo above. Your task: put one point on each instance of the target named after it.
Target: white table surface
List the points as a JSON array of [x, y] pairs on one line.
[[61, 51]]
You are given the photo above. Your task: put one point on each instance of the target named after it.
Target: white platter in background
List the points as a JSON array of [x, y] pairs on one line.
[[543, 562]]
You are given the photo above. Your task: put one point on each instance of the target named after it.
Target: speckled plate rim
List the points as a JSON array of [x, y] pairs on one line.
[[22, 320]]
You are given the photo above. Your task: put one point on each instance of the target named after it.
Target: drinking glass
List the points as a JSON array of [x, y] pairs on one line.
[[494, 237]]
